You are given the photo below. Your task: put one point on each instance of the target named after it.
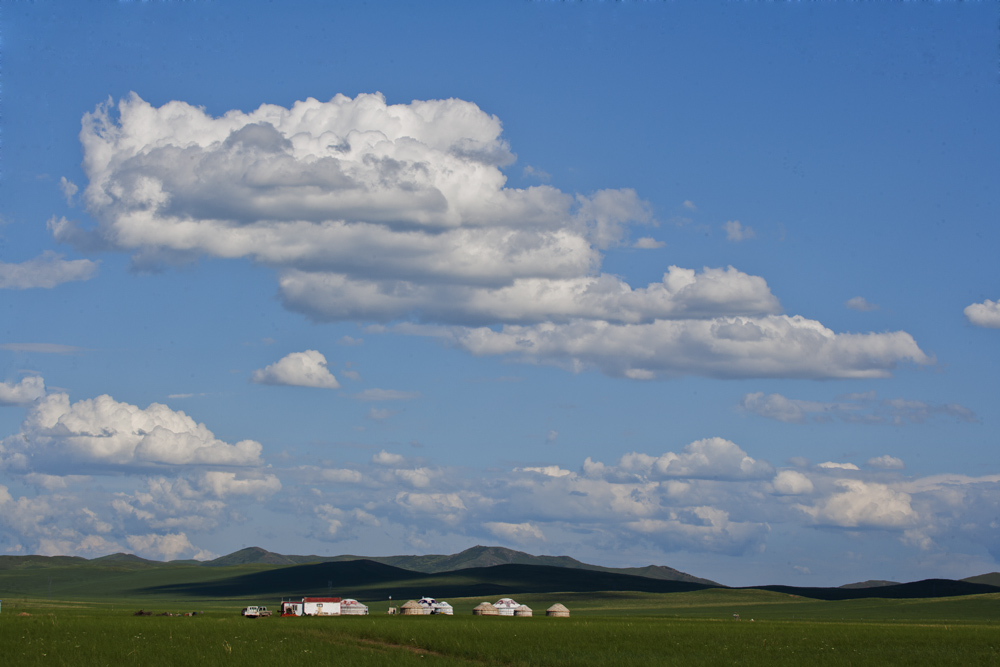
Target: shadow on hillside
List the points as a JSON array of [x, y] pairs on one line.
[[368, 580]]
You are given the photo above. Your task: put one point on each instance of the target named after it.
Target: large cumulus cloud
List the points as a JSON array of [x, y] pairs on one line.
[[103, 432], [401, 213]]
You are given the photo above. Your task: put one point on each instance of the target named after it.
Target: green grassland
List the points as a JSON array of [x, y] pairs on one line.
[[78, 612], [696, 629]]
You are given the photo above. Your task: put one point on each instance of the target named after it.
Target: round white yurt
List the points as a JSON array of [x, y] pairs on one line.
[[523, 610], [412, 608], [350, 607], [442, 607], [485, 609], [557, 610], [506, 606]]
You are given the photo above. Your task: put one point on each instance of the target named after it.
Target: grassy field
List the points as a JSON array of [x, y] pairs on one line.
[[611, 629]]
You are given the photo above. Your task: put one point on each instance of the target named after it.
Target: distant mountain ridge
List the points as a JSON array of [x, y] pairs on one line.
[[479, 571], [473, 557]]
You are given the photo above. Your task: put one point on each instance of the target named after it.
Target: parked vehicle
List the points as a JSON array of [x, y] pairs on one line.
[[255, 612]]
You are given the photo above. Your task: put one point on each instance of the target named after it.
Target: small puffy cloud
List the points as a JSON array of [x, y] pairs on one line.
[[45, 271], [104, 432], [21, 393], [385, 458], [515, 532], [386, 395], [985, 314], [712, 458], [886, 462], [298, 369], [648, 243], [689, 205], [69, 189], [736, 231], [223, 483], [832, 465], [533, 172], [792, 483], [548, 471], [859, 303], [551, 436]]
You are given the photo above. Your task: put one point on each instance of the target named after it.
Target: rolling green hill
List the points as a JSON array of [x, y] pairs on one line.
[[254, 573], [474, 557]]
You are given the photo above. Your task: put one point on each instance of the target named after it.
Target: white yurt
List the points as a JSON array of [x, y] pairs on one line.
[[442, 607], [557, 610], [350, 607], [506, 606], [412, 608], [485, 609], [432, 606], [523, 610]]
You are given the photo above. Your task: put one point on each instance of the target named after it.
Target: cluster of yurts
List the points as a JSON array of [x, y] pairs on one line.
[[503, 607]]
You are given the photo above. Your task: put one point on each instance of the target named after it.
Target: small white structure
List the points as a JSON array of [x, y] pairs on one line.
[[524, 611], [506, 606], [432, 606], [291, 608], [351, 607], [321, 606]]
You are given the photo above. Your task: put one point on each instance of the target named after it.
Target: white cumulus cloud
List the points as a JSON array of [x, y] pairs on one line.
[[319, 189], [736, 231], [46, 271], [985, 314], [103, 431], [861, 304], [515, 532], [298, 369], [23, 392]]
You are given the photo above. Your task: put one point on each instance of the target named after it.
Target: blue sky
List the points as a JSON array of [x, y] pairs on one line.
[[705, 285]]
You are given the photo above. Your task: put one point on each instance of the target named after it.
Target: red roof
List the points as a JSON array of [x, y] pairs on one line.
[[321, 599]]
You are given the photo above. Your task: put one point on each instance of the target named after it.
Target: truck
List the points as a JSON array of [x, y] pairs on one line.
[[255, 612]]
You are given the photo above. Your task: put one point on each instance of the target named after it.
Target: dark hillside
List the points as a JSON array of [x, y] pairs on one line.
[[251, 556], [368, 580], [125, 560], [315, 578], [871, 583], [928, 588], [480, 556]]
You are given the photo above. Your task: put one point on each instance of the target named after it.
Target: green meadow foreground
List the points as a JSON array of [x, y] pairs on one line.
[[606, 629]]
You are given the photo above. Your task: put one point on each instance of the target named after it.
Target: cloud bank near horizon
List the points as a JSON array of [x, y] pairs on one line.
[[155, 482]]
